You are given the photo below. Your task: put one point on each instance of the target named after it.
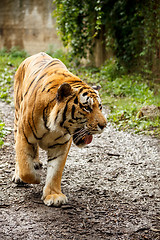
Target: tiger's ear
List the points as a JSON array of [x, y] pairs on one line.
[[63, 91], [96, 87]]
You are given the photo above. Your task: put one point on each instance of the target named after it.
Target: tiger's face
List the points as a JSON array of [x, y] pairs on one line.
[[79, 112]]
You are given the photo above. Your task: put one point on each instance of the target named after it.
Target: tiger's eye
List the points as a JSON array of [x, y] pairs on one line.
[[87, 108], [100, 106]]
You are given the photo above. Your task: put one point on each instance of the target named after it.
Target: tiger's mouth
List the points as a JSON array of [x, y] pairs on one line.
[[82, 137]]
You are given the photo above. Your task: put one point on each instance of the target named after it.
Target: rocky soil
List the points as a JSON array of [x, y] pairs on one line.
[[112, 186]]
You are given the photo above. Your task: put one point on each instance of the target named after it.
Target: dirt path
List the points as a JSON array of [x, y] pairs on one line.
[[112, 186]]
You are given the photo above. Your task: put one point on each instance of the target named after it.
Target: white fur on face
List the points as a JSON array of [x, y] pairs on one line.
[[98, 97], [86, 100]]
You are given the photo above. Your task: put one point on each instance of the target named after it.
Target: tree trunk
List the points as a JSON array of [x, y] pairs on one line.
[[100, 54]]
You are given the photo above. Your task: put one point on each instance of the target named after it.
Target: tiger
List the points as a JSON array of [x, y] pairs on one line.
[[53, 108]]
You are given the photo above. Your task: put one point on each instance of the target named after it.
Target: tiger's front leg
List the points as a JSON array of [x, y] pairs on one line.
[[52, 194]]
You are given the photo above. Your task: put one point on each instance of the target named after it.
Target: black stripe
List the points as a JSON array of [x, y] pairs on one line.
[[73, 111], [71, 121], [76, 100], [26, 136], [42, 76], [46, 85], [57, 116], [81, 106], [64, 114], [77, 85], [85, 103], [61, 136], [45, 113], [48, 64], [33, 112], [83, 114], [66, 75], [37, 138], [53, 64], [65, 110], [39, 81], [53, 87], [85, 93], [16, 118], [80, 90], [29, 86], [41, 61], [35, 72], [51, 159], [58, 144], [67, 130], [45, 116], [75, 82], [84, 121]]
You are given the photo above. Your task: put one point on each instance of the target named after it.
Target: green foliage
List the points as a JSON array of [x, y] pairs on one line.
[[14, 52], [2, 133], [6, 81], [124, 95], [9, 62], [78, 22], [130, 28], [135, 30], [60, 54]]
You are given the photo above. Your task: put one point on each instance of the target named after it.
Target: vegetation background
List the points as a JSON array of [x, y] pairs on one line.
[[114, 43]]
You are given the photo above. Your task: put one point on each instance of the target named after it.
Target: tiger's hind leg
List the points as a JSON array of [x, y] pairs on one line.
[[25, 155]]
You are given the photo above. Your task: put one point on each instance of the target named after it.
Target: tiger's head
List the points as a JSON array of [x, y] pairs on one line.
[[79, 112]]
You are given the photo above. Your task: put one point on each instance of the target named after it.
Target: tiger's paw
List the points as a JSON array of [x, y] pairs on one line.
[[27, 178], [55, 200], [16, 179], [37, 165]]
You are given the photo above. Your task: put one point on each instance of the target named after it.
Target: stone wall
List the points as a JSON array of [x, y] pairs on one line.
[[28, 24]]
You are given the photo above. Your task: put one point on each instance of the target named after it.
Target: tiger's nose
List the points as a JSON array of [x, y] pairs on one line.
[[102, 126]]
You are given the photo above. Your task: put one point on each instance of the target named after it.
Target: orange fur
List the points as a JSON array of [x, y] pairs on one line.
[[51, 106]]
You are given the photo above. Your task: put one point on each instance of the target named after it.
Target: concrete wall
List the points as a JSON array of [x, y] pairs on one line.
[[28, 24]]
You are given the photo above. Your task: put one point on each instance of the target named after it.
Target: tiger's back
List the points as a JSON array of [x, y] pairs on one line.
[[32, 80], [52, 107]]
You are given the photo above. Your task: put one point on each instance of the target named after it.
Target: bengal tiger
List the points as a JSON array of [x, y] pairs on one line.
[[52, 108]]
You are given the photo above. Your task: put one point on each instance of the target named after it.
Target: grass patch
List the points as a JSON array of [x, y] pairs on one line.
[[124, 94], [2, 133], [9, 62]]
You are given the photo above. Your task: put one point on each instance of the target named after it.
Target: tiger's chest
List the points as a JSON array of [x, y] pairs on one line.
[[54, 140]]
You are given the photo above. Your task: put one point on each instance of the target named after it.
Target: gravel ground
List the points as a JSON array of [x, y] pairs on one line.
[[112, 186]]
